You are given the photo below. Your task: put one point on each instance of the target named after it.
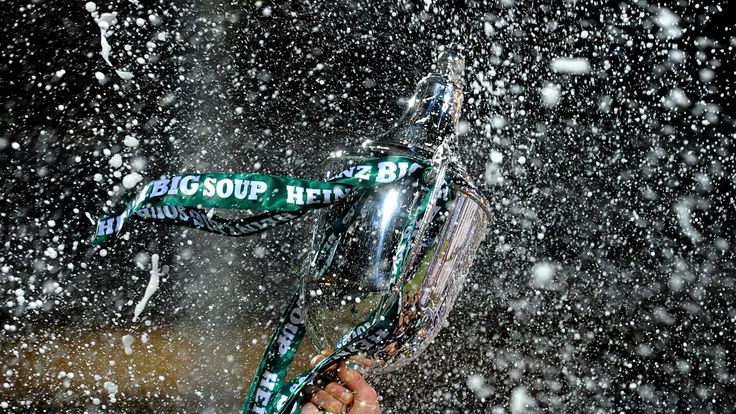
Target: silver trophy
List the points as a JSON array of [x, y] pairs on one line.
[[409, 243]]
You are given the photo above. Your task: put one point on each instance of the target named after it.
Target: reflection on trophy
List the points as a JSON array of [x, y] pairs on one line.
[[408, 244]]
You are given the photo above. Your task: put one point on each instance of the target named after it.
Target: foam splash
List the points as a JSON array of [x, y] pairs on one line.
[[105, 21], [153, 284], [571, 66]]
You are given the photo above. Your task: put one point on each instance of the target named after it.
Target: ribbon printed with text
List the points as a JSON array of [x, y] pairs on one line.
[[183, 200]]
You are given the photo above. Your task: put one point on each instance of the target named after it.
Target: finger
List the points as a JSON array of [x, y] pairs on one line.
[[316, 359], [322, 355], [319, 357], [310, 408], [363, 361], [362, 391], [339, 392], [327, 402]]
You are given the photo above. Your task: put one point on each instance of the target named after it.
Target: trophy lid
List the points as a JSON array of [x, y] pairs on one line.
[[434, 110], [451, 63]]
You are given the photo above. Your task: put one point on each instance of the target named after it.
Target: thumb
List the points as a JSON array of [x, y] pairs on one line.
[[365, 399]]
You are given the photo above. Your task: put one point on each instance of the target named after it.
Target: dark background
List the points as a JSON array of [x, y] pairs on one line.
[[639, 314]]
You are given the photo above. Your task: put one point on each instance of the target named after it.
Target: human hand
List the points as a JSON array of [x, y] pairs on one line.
[[351, 395]]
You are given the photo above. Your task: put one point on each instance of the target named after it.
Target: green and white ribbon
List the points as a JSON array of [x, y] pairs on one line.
[[182, 200]]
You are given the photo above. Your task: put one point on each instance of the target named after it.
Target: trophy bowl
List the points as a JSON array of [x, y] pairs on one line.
[[383, 246]]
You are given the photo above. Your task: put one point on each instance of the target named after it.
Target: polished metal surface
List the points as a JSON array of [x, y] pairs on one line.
[[355, 248], [381, 245], [434, 109]]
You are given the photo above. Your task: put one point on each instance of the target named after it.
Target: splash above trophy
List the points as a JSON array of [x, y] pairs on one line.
[[399, 223]]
